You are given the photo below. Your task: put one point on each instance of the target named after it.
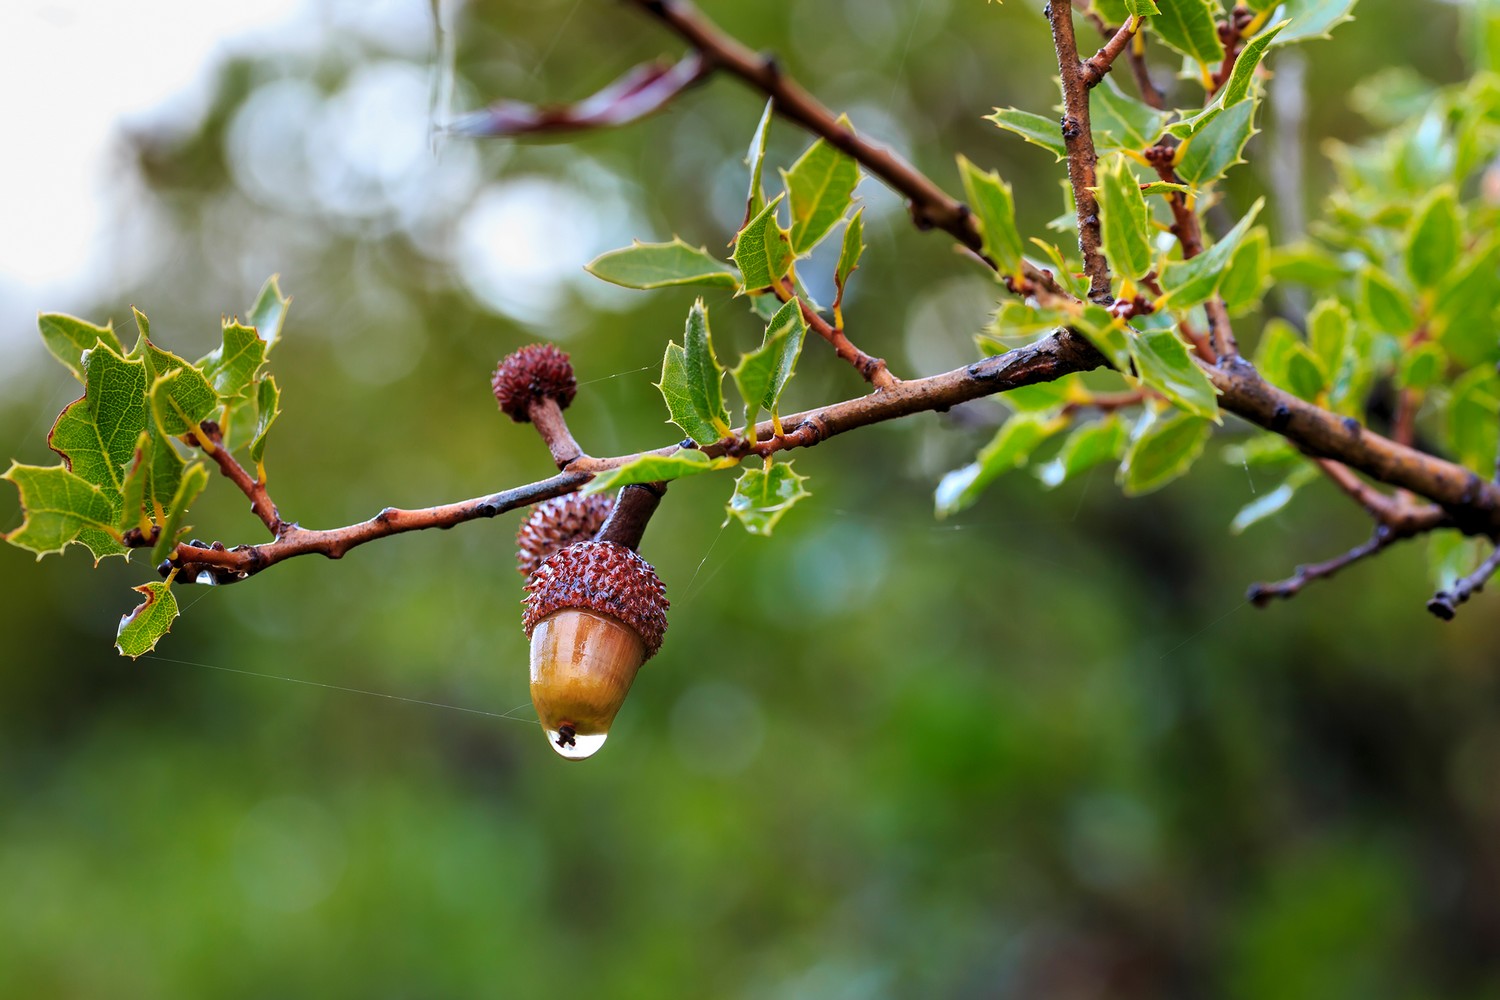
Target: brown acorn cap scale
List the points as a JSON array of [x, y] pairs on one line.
[[603, 577]]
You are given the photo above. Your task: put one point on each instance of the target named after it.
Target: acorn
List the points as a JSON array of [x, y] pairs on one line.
[[558, 523], [531, 376], [595, 611]]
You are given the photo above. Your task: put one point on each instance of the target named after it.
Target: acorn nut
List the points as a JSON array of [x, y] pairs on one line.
[[558, 523], [532, 374], [595, 611]]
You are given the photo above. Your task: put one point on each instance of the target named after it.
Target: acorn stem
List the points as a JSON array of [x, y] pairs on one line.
[[633, 509], [547, 417]]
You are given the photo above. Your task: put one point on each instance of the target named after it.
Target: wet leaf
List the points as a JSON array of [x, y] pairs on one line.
[[659, 265], [656, 468], [1161, 449], [994, 209], [820, 188], [1162, 362], [143, 627], [763, 250], [762, 496]]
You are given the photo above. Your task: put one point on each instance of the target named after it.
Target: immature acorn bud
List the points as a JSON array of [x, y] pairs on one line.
[[558, 523], [595, 611], [534, 373]]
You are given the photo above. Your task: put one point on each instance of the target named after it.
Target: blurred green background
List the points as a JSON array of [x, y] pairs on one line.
[[1043, 750]]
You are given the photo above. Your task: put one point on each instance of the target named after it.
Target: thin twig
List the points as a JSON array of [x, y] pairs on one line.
[[1078, 140], [211, 442], [1445, 603], [547, 417], [1261, 594], [1100, 63], [873, 369]]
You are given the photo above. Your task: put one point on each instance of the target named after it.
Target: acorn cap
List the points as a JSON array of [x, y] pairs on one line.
[[558, 523], [604, 577], [535, 372]]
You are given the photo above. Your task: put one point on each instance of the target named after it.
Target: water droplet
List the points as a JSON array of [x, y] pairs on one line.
[[575, 746], [206, 578]]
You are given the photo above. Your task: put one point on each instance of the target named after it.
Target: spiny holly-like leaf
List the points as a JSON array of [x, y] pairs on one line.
[[1314, 18], [1235, 90], [1088, 446], [67, 337], [679, 398], [1245, 279], [1218, 146], [705, 374], [1384, 304], [1190, 282], [1035, 129], [658, 265], [1433, 241], [1125, 221], [1268, 504], [755, 159], [60, 507], [1107, 333], [849, 254], [165, 473], [96, 434], [1287, 362], [1141, 8], [1161, 449], [656, 468], [1122, 122], [994, 208], [762, 496], [820, 187], [137, 480], [180, 400], [1162, 361], [268, 408], [1011, 446], [194, 480], [268, 313], [763, 250], [763, 373], [1189, 27], [143, 627], [232, 366]]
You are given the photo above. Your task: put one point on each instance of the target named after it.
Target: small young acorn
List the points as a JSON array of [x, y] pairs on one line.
[[595, 611], [558, 523], [529, 377]]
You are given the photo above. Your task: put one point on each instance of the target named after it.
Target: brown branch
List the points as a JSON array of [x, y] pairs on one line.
[[626, 524], [641, 92], [547, 417], [872, 368], [1261, 594], [1150, 92], [1445, 603], [931, 207], [1395, 512], [211, 442], [1189, 233], [1100, 63], [1078, 140]]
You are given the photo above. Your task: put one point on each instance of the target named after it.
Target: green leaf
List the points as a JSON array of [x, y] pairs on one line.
[[1306, 264], [1040, 396], [820, 187], [1465, 308], [1190, 282], [1235, 90], [96, 434], [1035, 129], [1011, 446], [268, 408], [1434, 238], [60, 507], [763, 250], [180, 400], [1218, 146], [1162, 361], [1245, 279], [849, 254], [762, 496], [1421, 367], [994, 209], [194, 480], [1189, 27], [143, 627], [1122, 122], [1088, 446], [785, 334], [1313, 19], [1125, 221], [1273, 502], [705, 374], [1141, 8], [1328, 326], [1474, 420], [1107, 333], [1285, 361], [231, 367], [676, 389], [659, 265], [1161, 449], [68, 337], [137, 480], [1385, 305], [1164, 187], [656, 468], [269, 312], [755, 159]]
